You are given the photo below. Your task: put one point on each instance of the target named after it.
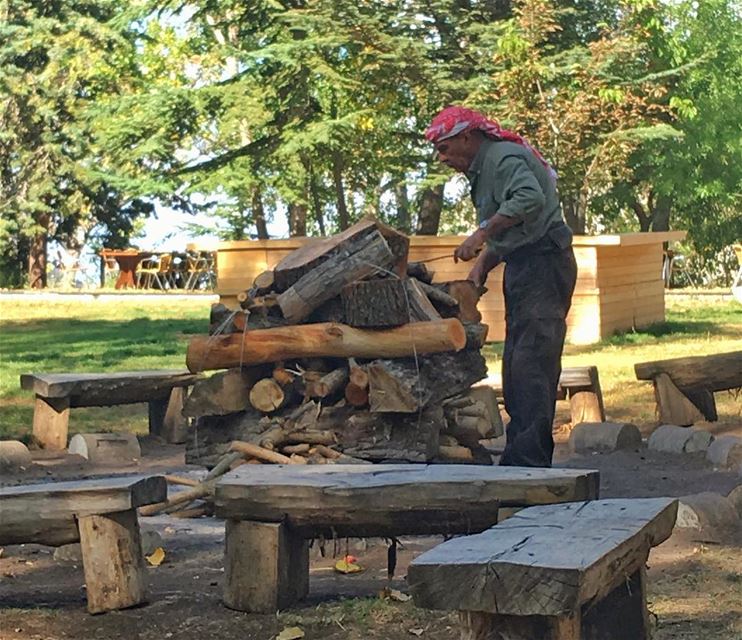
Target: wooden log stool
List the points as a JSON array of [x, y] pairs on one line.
[[557, 572], [272, 512], [101, 515], [56, 393]]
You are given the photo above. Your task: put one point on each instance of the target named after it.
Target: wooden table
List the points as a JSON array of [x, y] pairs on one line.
[[127, 260], [272, 511]]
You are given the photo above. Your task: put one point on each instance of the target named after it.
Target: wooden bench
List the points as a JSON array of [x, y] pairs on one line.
[[101, 515], [56, 393], [558, 572], [684, 387], [581, 385], [272, 511]]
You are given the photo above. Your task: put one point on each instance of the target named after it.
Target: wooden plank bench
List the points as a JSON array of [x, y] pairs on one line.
[[101, 515], [271, 513], [56, 393], [581, 385], [684, 387], [558, 572]]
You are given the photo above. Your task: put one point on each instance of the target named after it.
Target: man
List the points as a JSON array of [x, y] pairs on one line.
[[514, 191]]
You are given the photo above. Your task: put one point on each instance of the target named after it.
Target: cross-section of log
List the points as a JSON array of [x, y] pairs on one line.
[[353, 261], [323, 340]]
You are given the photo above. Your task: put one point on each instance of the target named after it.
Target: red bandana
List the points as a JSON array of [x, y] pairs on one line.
[[455, 120]]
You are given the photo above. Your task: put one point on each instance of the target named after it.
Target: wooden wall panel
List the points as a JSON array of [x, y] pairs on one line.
[[619, 283]]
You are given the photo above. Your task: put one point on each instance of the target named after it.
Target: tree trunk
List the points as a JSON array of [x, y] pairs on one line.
[[644, 218], [337, 176], [37, 257], [431, 205], [258, 212], [661, 214], [574, 213], [403, 205], [316, 202], [297, 219]]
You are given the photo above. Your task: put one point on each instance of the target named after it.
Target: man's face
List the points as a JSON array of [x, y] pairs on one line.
[[457, 152]]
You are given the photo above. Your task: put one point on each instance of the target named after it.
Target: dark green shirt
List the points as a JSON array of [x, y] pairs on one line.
[[506, 178]]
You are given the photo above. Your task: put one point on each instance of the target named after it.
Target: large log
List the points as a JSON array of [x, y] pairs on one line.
[[300, 262], [716, 372], [354, 261], [323, 340], [407, 384]]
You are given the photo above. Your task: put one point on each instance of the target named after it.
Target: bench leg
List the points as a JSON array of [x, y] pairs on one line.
[[476, 625], [166, 419], [112, 560], [621, 614], [51, 418], [586, 403], [673, 406], [266, 566]]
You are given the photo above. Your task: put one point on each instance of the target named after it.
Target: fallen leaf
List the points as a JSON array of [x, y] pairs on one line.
[[348, 564], [156, 557], [290, 633], [399, 596], [416, 632]]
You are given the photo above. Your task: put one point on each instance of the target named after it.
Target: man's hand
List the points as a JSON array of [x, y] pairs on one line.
[[482, 267], [470, 247]]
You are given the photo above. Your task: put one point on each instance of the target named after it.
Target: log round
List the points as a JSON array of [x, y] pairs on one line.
[[13, 454], [106, 448], [604, 436], [323, 340], [726, 452], [669, 438]]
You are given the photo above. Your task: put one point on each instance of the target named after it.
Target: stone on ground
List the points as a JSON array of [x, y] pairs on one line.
[[706, 511], [14, 455]]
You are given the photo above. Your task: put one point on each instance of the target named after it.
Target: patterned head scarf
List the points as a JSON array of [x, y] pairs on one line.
[[455, 120]]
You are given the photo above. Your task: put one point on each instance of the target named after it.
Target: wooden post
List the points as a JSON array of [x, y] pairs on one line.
[[266, 566], [622, 613], [166, 419], [112, 560], [51, 419], [477, 625], [586, 403]]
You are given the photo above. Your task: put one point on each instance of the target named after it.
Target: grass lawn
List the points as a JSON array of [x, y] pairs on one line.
[[44, 336]]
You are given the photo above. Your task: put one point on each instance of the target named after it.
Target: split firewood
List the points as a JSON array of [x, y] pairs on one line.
[[358, 259], [184, 497], [437, 296], [188, 482], [467, 294], [258, 452], [356, 391], [312, 437], [282, 375], [297, 459], [476, 335], [272, 438], [328, 385], [294, 449], [447, 440], [420, 307], [376, 303], [206, 509], [327, 452], [455, 453], [420, 271]]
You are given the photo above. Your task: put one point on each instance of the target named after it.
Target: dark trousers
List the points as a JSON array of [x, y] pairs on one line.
[[538, 285]]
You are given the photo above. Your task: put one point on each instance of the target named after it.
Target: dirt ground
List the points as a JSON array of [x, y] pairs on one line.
[[695, 581]]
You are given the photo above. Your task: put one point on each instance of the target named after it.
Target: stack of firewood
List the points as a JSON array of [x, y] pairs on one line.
[[344, 352]]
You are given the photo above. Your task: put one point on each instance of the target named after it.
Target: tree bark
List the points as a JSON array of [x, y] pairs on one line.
[[323, 340], [403, 205], [37, 257], [258, 213], [431, 205], [337, 177], [661, 214], [297, 219]]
